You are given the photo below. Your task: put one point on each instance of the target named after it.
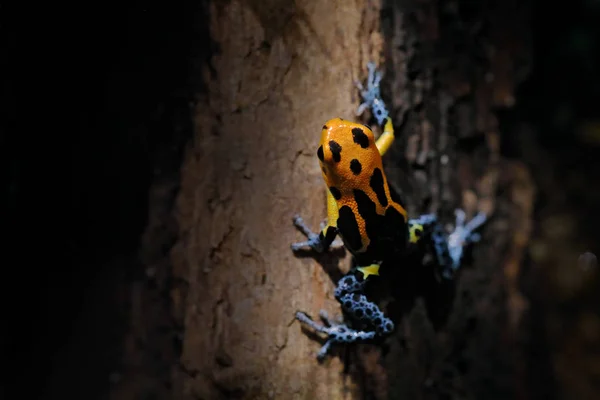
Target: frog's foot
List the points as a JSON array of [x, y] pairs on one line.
[[463, 234], [349, 292], [336, 332], [319, 242], [371, 95], [450, 248]]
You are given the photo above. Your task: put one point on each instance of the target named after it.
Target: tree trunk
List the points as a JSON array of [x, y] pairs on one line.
[[451, 67], [279, 71], [282, 69]]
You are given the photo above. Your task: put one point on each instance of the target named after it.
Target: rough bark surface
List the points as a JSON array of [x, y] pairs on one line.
[[182, 284], [454, 65], [278, 71], [450, 67], [281, 70]]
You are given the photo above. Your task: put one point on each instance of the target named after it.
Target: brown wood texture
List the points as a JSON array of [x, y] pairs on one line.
[[281, 71], [278, 71]]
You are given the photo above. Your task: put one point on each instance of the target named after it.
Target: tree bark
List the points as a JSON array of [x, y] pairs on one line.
[[282, 69], [452, 66]]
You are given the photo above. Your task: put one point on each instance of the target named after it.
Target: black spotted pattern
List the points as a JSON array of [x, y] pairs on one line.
[[336, 150], [366, 207], [348, 284], [388, 233], [360, 138], [320, 153], [355, 166], [348, 228], [377, 185], [335, 192], [349, 292]]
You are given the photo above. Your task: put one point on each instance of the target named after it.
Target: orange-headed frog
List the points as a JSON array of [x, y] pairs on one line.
[[371, 219]]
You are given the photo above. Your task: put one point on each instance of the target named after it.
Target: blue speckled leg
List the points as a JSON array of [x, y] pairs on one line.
[[450, 248], [372, 96], [349, 293], [337, 333]]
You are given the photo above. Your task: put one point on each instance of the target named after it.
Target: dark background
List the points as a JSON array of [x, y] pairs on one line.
[[91, 98]]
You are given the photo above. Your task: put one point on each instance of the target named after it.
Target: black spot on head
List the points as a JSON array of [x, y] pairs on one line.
[[377, 321], [369, 311], [360, 138], [388, 326], [335, 192], [325, 127], [320, 153], [376, 184], [347, 304], [348, 228], [341, 329], [355, 166], [336, 150]]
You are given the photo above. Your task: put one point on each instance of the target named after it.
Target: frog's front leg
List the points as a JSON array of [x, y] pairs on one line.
[[349, 292], [416, 226], [450, 248], [371, 95], [463, 234], [319, 242], [327, 237]]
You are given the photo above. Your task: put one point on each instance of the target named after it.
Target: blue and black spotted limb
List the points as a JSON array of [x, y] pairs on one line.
[[450, 248], [349, 292], [366, 214]]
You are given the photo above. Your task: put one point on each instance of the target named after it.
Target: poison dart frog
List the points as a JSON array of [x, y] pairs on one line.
[[370, 218]]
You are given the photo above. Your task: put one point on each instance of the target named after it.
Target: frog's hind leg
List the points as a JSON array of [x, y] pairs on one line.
[[349, 292]]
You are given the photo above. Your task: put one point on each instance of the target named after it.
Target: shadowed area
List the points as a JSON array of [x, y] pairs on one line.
[[98, 125]]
